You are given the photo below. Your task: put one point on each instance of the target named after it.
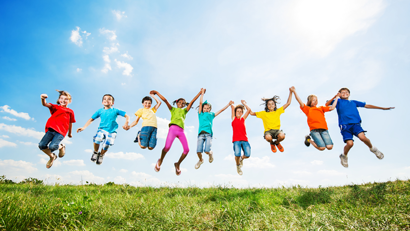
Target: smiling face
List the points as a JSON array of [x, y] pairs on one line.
[[313, 101], [238, 112], [64, 100], [271, 105], [206, 108], [181, 103], [108, 101], [344, 94], [147, 104]]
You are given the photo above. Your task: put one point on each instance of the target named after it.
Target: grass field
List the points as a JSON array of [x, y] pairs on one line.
[[33, 206]]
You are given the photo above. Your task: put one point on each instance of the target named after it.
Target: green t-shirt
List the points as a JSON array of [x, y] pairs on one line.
[[178, 116]]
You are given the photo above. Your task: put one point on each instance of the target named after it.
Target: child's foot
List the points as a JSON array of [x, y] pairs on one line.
[[94, 156], [100, 159], [239, 170], [199, 164], [343, 160], [273, 147], [211, 157], [157, 167], [61, 151], [241, 162], [51, 161], [378, 153], [307, 140], [177, 170], [136, 138], [280, 147]]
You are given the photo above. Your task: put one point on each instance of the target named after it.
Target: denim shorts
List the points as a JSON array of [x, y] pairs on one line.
[[244, 145], [105, 138], [148, 136], [204, 143], [321, 137], [51, 137], [348, 130]]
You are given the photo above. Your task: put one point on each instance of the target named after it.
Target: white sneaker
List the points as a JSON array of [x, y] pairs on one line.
[[198, 164], [211, 157], [343, 160], [241, 162], [378, 153], [238, 168]]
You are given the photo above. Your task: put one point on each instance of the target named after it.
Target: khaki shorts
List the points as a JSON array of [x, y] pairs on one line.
[[273, 132]]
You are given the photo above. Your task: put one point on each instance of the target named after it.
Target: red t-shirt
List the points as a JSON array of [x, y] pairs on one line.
[[316, 117], [60, 119], [239, 130]]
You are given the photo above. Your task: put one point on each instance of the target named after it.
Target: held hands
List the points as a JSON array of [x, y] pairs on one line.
[[43, 96], [231, 102], [292, 89], [126, 127], [243, 102], [203, 90]]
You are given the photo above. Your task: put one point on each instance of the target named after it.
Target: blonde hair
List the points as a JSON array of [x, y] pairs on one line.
[[309, 100], [63, 93]]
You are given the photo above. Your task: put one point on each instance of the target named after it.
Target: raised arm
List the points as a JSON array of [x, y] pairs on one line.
[[43, 100], [376, 107], [289, 99], [135, 122], [85, 126], [162, 98], [249, 110], [233, 111], [156, 100], [201, 100], [127, 120], [224, 108], [334, 97], [302, 105], [331, 108], [194, 99], [246, 114]]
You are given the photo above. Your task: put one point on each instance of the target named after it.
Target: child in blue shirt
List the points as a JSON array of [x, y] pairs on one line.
[[107, 130], [349, 123]]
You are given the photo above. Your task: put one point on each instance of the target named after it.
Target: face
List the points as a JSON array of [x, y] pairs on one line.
[[64, 100], [239, 113], [181, 103], [206, 108], [314, 101], [344, 94], [271, 105], [108, 101], [147, 104]]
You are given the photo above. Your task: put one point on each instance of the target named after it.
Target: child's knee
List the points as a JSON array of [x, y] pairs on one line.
[[321, 148], [268, 138], [349, 143], [186, 151], [281, 136], [329, 147], [42, 146]]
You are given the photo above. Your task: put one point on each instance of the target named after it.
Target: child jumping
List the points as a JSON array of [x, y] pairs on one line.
[[107, 130], [60, 122], [271, 120], [350, 123], [147, 137], [316, 121], [205, 132], [176, 129], [239, 137]]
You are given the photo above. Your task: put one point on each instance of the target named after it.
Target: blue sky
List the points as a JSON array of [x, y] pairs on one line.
[[236, 50]]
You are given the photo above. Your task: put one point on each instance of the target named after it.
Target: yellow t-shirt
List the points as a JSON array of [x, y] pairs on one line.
[[271, 120], [148, 116]]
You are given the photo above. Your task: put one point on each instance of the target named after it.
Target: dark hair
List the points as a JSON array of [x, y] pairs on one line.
[[344, 88], [266, 101], [239, 106], [146, 98], [63, 93], [176, 101], [108, 95]]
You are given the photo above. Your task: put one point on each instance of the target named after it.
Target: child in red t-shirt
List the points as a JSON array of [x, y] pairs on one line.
[[239, 138], [57, 126]]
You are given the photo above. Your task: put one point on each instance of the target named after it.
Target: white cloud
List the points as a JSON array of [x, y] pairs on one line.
[[28, 143], [110, 34], [5, 143], [109, 50], [107, 65], [21, 131], [119, 180], [162, 127], [118, 14], [4, 136], [331, 173], [127, 67], [302, 173], [126, 55], [23, 115], [8, 118], [88, 176], [79, 69], [19, 165], [44, 159], [125, 156], [256, 162], [142, 179], [86, 34], [124, 170], [74, 162], [89, 151], [76, 37], [66, 140], [317, 162]]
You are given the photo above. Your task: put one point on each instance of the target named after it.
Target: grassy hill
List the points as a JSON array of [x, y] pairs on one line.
[[31, 205]]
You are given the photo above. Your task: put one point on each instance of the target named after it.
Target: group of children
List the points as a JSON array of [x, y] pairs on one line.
[[60, 123]]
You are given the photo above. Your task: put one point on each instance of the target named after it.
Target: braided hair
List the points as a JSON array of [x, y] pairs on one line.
[[176, 101]]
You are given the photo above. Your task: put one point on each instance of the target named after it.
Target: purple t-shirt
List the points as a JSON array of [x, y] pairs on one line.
[[347, 111]]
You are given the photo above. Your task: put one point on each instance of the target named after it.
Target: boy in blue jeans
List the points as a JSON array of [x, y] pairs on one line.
[[349, 123], [107, 130]]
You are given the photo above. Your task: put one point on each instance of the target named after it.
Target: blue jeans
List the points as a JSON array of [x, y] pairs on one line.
[[204, 143], [148, 136], [321, 137], [244, 145], [52, 137]]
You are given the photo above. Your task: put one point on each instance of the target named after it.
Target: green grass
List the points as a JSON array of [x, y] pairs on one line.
[[34, 206]]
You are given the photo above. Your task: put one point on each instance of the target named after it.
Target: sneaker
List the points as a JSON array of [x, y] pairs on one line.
[[241, 162], [307, 140], [100, 159], [280, 147], [136, 138], [238, 168], [273, 147], [94, 157], [61, 151], [343, 160], [199, 164], [211, 157], [378, 153]]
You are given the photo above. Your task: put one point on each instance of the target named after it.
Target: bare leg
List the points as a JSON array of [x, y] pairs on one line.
[[268, 138], [103, 152], [348, 146], [163, 154], [180, 161], [200, 156], [365, 140], [315, 145], [237, 159], [96, 147], [280, 138], [48, 153]]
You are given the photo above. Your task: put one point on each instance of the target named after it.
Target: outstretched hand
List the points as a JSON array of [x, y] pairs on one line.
[[80, 130], [389, 108], [44, 96], [243, 102], [153, 92], [231, 102]]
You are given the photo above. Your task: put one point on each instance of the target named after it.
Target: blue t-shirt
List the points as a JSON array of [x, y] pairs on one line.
[[205, 122], [347, 111], [108, 118]]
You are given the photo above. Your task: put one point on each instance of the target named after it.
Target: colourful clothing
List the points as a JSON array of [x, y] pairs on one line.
[[347, 111], [104, 138], [148, 116], [316, 116], [174, 132], [108, 119], [60, 119], [205, 122], [271, 120], [178, 116], [239, 130]]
